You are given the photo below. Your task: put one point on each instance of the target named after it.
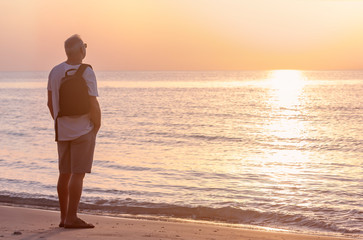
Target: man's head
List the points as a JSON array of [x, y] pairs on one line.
[[75, 47]]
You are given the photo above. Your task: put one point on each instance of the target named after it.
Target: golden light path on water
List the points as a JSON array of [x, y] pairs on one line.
[[286, 129], [282, 131]]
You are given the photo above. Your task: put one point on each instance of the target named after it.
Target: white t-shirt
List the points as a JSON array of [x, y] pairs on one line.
[[71, 127]]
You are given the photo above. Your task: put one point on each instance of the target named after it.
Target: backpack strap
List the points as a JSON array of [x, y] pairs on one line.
[[70, 70], [81, 69]]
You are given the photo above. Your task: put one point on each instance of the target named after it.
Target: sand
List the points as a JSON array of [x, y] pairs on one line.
[[27, 223]]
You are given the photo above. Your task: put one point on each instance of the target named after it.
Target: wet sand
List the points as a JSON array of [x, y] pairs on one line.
[[28, 223]]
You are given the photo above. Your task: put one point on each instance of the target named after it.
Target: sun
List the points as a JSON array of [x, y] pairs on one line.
[[286, 87], [286, 79]]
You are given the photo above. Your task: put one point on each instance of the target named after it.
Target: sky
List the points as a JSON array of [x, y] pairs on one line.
[[185, 35]]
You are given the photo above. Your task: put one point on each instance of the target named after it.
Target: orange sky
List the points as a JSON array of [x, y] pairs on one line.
[[185, 35]]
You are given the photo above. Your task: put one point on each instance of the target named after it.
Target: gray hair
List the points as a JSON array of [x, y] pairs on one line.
[[72, 44]]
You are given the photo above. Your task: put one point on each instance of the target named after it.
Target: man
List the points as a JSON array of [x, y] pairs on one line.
[[76, 134]]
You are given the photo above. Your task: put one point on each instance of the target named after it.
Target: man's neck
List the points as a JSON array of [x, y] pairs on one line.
[[73, 61]]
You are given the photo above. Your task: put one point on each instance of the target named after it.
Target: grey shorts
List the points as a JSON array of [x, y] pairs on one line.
[[76, 156]]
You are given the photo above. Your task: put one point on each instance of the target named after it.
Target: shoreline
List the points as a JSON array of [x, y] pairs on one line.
[[34, 223], [178, 214]]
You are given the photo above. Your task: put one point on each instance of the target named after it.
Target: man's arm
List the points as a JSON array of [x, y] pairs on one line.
[[95, 113], [50, 103]]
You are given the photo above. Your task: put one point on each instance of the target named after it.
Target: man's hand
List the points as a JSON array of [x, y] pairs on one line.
[[95, 113], [50, 103]]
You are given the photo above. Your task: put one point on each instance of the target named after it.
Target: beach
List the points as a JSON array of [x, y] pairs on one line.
[[29, 223]]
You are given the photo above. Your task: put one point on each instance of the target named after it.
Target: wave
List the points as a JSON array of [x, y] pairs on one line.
[[202, 137], [227, 214]]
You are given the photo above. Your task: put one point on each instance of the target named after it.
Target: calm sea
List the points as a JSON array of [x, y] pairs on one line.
[[277, 149]]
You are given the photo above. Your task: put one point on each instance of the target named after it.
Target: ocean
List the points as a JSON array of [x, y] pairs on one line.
[[275, 149]]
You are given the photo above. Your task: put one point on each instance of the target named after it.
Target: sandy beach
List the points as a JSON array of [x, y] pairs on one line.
[[27, 223]]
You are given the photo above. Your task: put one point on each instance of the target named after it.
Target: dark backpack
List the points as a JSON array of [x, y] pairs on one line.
[[73, 94]]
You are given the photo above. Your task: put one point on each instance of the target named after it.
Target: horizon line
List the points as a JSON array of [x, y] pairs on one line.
[[193, 70]]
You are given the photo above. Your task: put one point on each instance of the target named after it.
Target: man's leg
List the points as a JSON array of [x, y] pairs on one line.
[[63, 197], [82, 150], [64, 158], [75, 187]]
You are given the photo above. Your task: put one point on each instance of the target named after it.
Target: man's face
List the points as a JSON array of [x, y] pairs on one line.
[[83, 49]]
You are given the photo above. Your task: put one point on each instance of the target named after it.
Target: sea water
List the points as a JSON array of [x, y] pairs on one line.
[[277, 149]]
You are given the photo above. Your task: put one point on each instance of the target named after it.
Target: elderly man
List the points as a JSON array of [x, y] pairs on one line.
[[76, 135]]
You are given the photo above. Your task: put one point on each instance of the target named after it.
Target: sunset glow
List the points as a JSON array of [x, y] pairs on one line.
[[185, 35], [181, 119]]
